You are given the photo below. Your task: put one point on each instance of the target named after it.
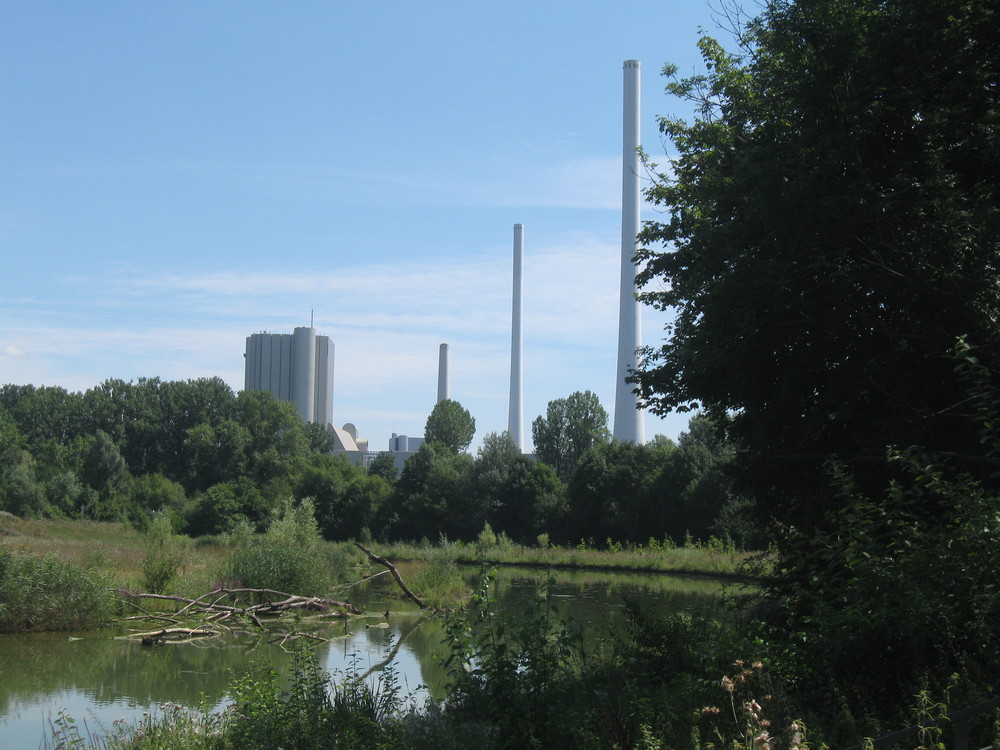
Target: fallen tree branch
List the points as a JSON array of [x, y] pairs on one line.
[[395, 574], [152, 637]]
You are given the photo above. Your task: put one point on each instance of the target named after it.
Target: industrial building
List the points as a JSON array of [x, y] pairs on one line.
[[295, 367]]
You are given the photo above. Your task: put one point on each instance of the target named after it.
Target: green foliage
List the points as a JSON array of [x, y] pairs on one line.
[[440, 581], [165, 552], [222, 506], [516, 675], [431, 495], [347, 498], [384, 465], [512, 493], [570, 427], [310, 713], [152, 496], [450, 424], [291, 557], [38, 594], [830, 233]]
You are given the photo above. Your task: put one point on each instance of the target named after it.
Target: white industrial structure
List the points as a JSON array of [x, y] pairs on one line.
[[628, 425], [444, 376], [295, 367], [515, 416]]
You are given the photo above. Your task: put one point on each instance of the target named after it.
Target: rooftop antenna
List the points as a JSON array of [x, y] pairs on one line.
[[311, 314]]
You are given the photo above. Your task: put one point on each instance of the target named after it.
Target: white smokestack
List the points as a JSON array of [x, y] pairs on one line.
[[628, 425], [444, 381], [515, 418]]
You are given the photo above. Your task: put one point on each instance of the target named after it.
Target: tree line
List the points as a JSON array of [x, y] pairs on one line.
[[208, 457]]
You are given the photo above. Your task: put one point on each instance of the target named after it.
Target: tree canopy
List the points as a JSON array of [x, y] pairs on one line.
[[451, 424], [831, 249], [569, 428], [831, 233]]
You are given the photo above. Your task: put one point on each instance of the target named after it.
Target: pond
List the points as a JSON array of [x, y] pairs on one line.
[[97, 679]]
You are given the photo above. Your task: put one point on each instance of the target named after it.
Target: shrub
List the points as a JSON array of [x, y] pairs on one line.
[[164, 555], [290, 557]]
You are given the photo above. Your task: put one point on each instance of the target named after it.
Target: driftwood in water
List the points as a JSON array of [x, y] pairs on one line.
[[395, 574], [213, 610]]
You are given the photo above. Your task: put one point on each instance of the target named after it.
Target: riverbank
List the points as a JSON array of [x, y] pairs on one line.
[[714, 560], [119, 551]]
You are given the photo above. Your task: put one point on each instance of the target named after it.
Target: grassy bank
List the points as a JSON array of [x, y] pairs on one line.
[[290, 557], [711, 559]]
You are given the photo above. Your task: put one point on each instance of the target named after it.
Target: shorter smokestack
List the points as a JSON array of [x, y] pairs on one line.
[[444, 381]]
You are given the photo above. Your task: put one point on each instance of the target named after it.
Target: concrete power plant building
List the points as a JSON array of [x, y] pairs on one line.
[[295, 367], [628, 425]]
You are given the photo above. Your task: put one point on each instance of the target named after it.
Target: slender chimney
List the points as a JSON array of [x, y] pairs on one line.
[[444, 381], [515, 418], [628, 425]]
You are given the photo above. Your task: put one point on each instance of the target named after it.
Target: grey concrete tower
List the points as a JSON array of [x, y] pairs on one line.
[[295, 367], [515, 417], [628, 426]]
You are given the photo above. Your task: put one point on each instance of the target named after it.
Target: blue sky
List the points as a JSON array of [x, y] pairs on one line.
[[179, 175]]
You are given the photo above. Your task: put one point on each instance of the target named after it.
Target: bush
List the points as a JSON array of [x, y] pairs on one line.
[[290, 557], [41, 594], [164, 555]]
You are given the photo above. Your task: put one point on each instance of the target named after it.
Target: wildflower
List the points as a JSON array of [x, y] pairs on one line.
[[727, 684], [707, 710], [757, 665]]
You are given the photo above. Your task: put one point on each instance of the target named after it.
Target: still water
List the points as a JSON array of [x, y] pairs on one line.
[[97, 679]]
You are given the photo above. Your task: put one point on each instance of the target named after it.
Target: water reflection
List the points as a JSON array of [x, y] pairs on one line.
[[96, 678]]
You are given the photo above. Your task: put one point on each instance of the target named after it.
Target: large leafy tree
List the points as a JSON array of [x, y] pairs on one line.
[[831, 248], [832, 231], [511, 492], [569, 428], [450, 424]]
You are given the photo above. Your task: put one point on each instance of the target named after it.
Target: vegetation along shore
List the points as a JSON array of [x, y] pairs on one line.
[[828, 241]]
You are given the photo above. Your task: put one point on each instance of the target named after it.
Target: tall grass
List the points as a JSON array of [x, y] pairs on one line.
[[50, 594], [714, 557]]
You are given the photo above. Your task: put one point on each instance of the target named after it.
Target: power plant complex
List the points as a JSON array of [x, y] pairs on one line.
[[298, 367]]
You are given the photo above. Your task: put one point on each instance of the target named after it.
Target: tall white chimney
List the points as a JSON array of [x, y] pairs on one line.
[[515, 417], [628, 425], [444, 378]]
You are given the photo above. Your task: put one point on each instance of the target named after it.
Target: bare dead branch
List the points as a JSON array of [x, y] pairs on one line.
[[395, 574]]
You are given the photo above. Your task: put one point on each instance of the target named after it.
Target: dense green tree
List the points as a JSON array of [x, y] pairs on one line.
[[831, 251], [214, 454], [222, 506], [319, 437], [45, 413], [609, 493], [430, 494], [569, 428], [20, 491], [278, 445], [450, 424], [384, 465], [511, 492], [832, 230], [11, 440], [154, 494]]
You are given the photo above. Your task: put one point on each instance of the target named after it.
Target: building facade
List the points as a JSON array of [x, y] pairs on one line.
[[295, 367]]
